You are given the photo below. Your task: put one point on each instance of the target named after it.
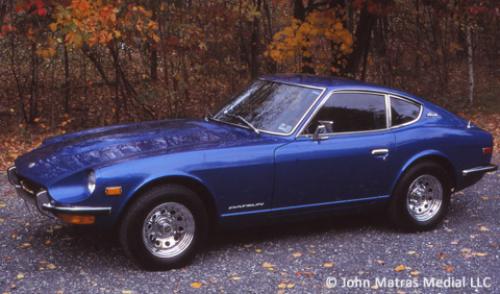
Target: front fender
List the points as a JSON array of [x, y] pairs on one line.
[[134, 176]]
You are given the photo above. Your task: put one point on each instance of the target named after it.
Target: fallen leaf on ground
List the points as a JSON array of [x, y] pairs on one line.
[[267, 265], [290, 285], [281, 285], [412, 252], [235, 278], [297, 254], [51, 266], [2, 204], [127, 292], [448, 268], [480, 254], [25, 245], [328, 264], [20, 276], [442, 255], [414, 273], [258, 250], [305, 274], [196, 285], [484, 229], [380, 261], [400, 268]]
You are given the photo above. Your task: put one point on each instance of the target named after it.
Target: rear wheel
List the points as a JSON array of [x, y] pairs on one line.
[[422, 197], [164, 228]]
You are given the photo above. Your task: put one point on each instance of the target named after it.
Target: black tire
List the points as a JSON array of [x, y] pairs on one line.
[[131, 226], [398, 208]]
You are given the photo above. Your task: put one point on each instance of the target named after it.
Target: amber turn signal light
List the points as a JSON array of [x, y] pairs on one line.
[[113, 191], [76, 219]]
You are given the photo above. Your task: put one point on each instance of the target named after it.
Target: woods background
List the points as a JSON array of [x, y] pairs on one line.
[[70, 65]]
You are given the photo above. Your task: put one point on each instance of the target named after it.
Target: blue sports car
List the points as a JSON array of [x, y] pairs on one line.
[[286, 145]]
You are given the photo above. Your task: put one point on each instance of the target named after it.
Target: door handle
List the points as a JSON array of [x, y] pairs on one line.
[[378, 152]]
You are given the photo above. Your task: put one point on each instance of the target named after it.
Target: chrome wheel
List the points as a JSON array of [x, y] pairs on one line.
[[424, 198], [168, 230]]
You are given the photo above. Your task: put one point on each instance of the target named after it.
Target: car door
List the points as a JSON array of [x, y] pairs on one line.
[[348, 164]]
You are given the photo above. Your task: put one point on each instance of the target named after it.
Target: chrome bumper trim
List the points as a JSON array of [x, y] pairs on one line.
[[77, 209], [479, 169], [44, 203]]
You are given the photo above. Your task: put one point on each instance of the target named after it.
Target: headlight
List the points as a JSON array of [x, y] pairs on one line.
[[91, 182]]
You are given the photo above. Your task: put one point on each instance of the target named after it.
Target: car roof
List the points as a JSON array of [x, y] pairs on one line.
[[336, 83]]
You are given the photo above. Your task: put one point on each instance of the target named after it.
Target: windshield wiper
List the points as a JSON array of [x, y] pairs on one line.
[[242, 119]]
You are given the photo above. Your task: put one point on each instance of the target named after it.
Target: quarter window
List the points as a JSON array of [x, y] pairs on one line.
[[403, 111], [351, 112]]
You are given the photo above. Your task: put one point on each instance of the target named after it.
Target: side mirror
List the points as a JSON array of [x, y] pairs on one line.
[[328, 125], [318, 133]]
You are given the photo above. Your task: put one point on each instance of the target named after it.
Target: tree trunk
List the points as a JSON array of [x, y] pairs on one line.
[[254, 45], [153, 62], [470, 63], [362, 40], [20, 92], [67, 89], [33, 111], [299, 12]]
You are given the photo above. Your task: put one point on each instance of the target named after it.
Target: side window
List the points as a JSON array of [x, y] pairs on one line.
[[403, 111], [351, 112]]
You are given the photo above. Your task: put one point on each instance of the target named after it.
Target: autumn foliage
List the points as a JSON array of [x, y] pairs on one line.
[[74, 64]]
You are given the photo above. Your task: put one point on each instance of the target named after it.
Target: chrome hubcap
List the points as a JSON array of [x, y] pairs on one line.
[[168, 230], [425, 197]]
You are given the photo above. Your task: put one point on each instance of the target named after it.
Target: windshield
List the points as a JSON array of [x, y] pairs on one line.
[[269, 106]]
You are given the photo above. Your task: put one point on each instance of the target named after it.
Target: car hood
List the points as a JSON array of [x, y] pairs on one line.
[[65, 155]]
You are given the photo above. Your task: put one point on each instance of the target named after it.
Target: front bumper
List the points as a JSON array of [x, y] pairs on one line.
[[45, 204]]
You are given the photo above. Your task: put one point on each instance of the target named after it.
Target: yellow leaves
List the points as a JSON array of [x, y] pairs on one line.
[[53, 26], [81, 6], [267, 265], [97, 22], [328, 264], [20, 276], [313, 39], [196, 285], [46, 52], [400, 268]]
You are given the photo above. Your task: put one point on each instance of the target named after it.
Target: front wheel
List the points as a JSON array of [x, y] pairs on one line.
[[164, 227], [422, 197]]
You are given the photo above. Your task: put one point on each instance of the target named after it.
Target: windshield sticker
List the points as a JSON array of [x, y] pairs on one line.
[[285, 128]]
